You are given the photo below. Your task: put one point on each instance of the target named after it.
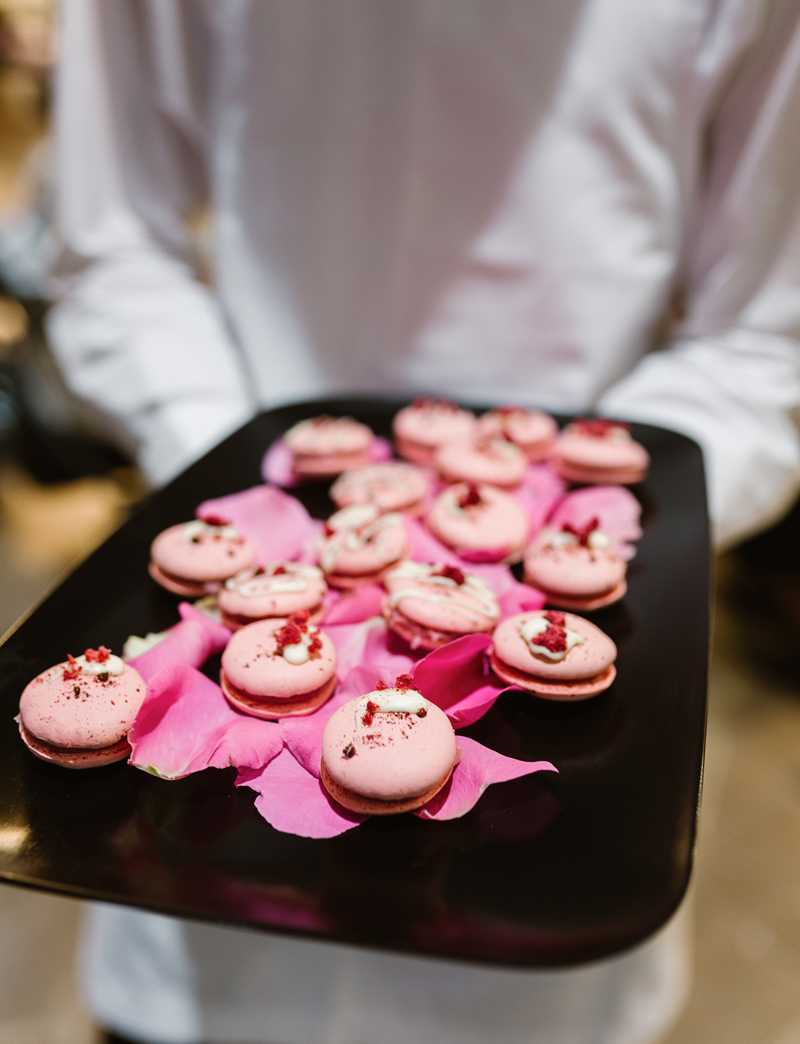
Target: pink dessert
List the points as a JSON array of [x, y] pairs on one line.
[[555, 655], [600, 451], [431, 605], [78, 713], [491, 459], [360, 545], [325, 446], [576, 568], [480, 523], [279, 668], [426, 424], [390, 487], [195, 558], [388, 751], [532, 430], [276, 589]]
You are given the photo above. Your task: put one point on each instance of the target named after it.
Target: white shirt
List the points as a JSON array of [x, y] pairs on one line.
[[574, 203]]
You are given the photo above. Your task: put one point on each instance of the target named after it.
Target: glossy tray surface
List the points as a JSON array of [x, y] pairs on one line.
[[544, 871]]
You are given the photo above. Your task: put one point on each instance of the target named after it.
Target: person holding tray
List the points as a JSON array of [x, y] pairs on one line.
[[586, 204]]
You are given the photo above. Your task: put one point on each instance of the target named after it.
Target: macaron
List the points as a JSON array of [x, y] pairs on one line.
[[388, 751], [532, 430], [325, 446], [419, 429], [576, 568], [595, 450], [431, 605], [276, 589], [279, 668], [555, 655], [360, 545], [78, 713], [491, 459], [195, 558], [393, 486], [480, 523]]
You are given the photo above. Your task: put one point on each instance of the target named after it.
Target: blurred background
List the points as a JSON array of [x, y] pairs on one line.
[[63, 490]]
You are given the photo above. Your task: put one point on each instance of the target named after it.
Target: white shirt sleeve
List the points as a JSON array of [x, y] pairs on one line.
[[138, 336]]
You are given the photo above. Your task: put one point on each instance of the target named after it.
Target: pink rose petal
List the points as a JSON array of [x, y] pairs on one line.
[[191, 641], [294, 801], [478, 768], [540, 492], [381, 450], [458, 680], [521, 598], [616, 508], [276, 522], [185, 725], [354, 605], [370, 643]]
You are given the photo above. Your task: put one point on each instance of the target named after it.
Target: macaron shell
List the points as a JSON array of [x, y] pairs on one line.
[[573, 570], [581, 662], [389, 545], [428, 427], [498, 523], [83, 712], [439, 615], [184, 588], [208, 557], [588, 605], [531, 430], [578, 690], [373, 807], [273, 603], [391, 487], [500, 463], [252, 663], [272, 709], [329, 437], [592, 452], [418, 636], [398, 756], [328, 466], [600, 476], [75, 758]]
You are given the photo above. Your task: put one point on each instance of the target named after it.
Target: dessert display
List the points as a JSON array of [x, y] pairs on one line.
[[555, 655], [490, 458], [576, 568], [360, 545], [392, 486], [279, 668], [195, 558], [432, 605], [421, 428], [532, 430], [481, 523], [322, 447], [595, 450], [388, 751], [78, 713], [276, 589]]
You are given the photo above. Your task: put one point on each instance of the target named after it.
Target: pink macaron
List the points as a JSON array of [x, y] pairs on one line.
[[78, 713], [480, 523], [279, 668], [532, 430], [555, 655], [392, 486], [431, 605], [276, 589], [325, 446], [388, 751], [195, 558], [428, 423], [360, 545], [491, 459], [596, 450], [576, 568]]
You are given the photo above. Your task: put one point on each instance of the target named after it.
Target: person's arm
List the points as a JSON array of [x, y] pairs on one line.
[[137, 335]]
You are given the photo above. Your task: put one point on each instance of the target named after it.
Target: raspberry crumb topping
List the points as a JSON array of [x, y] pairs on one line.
[[293, 630], [216, 520], [381, 686], [472, 498], [405, 682], [72, 670], [556, 618], [554, 639], [278, 571], [97, 655], [598, 427], [451, 573], [369, 714], [582, 532]]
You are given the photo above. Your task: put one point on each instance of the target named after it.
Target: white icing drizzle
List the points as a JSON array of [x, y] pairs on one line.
[[538, 625], [294, 580], [198, 528], [298, 653], [113, 665], [390, 701], [354, 527], [598, 540], [136, 646], [473, 587]]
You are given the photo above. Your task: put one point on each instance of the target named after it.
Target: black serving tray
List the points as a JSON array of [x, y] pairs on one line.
[[549, 870]]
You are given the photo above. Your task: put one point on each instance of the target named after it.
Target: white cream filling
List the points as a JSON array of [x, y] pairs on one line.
[[538, 625], [298, 653], [598, 540], [198, 528], [135, 646], [113, 665], [390, 701], [294, 580], [354, 527]]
